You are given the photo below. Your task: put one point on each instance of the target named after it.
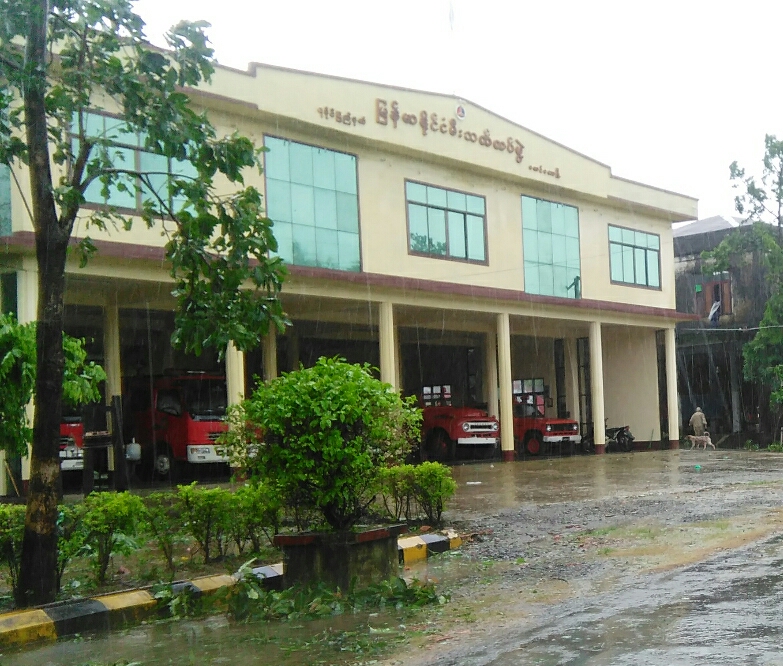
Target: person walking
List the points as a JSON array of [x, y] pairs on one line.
[[698, 422]]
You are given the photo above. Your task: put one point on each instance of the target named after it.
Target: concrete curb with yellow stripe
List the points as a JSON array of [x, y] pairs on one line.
[[417, 548], [120, 609]]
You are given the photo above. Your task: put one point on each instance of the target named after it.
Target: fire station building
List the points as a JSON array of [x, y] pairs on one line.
[[424, 234]]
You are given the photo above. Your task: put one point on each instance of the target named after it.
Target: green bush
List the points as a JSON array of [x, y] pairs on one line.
[[11, 536], [323, 435], [258, 510], [397, 492], [110, 523], [71, 537], [163, 522], [207, 515], [432, 487]]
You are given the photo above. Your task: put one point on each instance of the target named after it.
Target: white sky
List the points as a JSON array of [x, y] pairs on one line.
[[666, 93]]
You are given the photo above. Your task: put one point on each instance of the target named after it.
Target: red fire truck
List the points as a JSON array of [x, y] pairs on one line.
[[535, 432], [71, 443], [180, 421], [445, 427]]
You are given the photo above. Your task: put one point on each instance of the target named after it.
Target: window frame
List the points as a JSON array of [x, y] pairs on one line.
[[447, 256], [358, 197], [623, 283], [139, 190]]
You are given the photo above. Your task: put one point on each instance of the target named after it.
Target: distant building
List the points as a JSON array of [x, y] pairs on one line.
[[709, 349]]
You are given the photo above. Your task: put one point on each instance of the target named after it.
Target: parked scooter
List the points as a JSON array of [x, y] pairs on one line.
[[617, 439]]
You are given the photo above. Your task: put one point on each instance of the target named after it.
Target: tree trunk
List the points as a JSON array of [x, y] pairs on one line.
[[38, 576]]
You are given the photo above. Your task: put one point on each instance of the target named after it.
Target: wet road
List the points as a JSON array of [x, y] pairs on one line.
[[660, 558]]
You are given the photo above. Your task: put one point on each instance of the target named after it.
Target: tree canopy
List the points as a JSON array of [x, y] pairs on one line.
[[95, 115]]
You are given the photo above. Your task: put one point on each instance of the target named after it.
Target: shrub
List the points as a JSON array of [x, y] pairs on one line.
[[328, 432], [163, 522], [258, 511], [397, 486], [110, 522], [432, 487], [207, 515], [11, 536], [71, 537]]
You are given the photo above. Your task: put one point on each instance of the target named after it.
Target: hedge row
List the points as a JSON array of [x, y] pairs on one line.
[[219, 521]]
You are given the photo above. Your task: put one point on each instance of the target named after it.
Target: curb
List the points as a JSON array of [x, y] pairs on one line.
[[121, 609]]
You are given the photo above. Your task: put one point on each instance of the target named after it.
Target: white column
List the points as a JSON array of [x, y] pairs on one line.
[[386, 340], [27, 306], [111, 355], [572, 380], [504, 376], [270, 355], [735, 363], [597, 385], [491, 374], [235, 374], [672, 399]]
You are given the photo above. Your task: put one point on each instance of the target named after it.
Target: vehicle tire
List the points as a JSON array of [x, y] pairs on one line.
[[534, 443], [625, 443], [164, 466], [440, 447]]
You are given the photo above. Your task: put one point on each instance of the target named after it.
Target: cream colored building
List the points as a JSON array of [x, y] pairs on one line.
[[424, 234]]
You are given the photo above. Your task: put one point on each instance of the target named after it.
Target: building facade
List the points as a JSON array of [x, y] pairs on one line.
[[424, 234]]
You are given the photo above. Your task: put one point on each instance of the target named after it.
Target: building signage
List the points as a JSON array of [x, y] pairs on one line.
[[341, 117], [431, 123]]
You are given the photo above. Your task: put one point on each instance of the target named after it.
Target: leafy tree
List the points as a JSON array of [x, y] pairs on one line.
[[17, 380], [60, 61], [327, 432], [754, 256]]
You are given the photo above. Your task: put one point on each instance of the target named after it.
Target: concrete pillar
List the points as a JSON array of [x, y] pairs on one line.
[[235, 374], [597, 386], [572, 379], [672, 399], [270, 355], [27, 306], [386, 340], [111, 355], [504, 380], [398, 364], [491, 375]]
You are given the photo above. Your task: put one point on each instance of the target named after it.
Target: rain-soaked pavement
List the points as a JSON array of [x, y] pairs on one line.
[[672, 557]]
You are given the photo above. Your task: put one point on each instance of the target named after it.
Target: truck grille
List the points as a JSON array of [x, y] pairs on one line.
[[563, 427], [66, 441], [479, 426], [212, 436]]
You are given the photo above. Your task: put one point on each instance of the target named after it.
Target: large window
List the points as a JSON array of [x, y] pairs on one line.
[[312, 198], [635, 257], [445, 223], [550, 236], [127, 152]]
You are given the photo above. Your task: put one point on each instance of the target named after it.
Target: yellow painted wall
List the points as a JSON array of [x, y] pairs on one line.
[[631, 380]]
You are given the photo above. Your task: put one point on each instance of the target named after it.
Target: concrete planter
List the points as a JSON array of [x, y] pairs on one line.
[[335, 558]]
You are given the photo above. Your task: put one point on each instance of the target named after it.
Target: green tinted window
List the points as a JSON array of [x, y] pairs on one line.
[[311, 196], [125, 150], [634, 257], [550, 241], [445, 223]]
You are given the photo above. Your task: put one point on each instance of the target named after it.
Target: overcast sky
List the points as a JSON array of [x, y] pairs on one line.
[[666, 93]]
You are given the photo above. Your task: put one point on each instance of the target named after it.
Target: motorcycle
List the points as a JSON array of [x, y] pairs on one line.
[[617, 439]]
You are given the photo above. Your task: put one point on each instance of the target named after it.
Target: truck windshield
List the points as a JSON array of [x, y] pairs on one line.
[[528, 409], [204, 398]]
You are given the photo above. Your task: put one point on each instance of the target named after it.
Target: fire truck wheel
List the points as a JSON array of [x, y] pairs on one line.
[[533, 443], [164, 463], [440, 446]]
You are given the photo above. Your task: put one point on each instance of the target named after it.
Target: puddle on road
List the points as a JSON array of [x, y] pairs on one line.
[[508, 485]]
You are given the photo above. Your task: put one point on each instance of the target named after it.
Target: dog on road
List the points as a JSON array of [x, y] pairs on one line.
[[700, 441]]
